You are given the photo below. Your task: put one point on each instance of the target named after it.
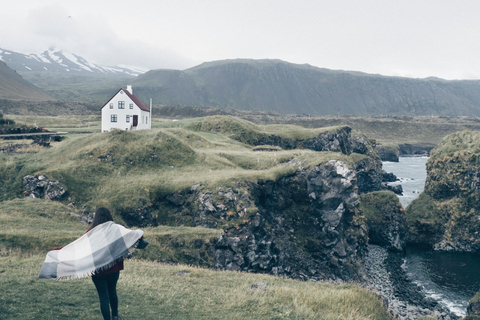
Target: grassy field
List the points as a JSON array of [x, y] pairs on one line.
[[387, 130], [172, 156], [149, 289]]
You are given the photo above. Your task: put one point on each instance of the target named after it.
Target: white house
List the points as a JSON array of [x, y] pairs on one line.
[[125, 111]]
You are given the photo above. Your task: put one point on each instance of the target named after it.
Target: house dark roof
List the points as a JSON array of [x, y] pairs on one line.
[[134, 98], [137, 101]]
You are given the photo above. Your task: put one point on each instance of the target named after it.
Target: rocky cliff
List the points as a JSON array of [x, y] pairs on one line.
[[446, 215], [306, 224], [303, 222]]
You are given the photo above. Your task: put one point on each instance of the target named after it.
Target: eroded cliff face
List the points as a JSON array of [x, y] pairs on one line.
[[446, 216], [308, 226]]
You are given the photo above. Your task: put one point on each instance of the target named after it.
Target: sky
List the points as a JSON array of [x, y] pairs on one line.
[[410, 38]]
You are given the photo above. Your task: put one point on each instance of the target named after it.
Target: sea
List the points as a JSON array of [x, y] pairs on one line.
[[452, 279]]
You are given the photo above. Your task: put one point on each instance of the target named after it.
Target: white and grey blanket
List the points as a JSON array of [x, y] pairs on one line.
[[97, 250]]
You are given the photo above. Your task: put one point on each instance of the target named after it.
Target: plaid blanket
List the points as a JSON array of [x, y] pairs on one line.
[[97, 250]]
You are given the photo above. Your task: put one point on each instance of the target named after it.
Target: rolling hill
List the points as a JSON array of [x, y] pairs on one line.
[[278, 86], [14, 87]]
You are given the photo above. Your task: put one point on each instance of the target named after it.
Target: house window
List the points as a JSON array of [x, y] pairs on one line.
[[128, 118], [131, 105], [113, 118], [146, 120], [121, 104], [111, 105]]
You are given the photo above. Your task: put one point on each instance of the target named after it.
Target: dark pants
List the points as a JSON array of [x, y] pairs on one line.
[[106, 285]]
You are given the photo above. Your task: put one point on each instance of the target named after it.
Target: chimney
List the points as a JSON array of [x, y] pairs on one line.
[[129, 89]]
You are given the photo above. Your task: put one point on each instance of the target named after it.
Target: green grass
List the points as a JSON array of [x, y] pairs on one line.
[[374, 204], [60, 123], [459, 144], [243, 130], [148, 289]]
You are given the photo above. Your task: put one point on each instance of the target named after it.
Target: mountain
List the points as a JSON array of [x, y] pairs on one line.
[[14, 87], [67, 76], [245, 84], [56, 61], [278, 86]]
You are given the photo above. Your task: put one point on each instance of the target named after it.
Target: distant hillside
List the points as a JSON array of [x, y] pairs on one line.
[[67, 76], [278, 86], [252, 85], [14, 87]]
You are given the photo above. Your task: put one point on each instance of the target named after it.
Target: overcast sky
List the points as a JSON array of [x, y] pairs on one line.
[[413, 38]]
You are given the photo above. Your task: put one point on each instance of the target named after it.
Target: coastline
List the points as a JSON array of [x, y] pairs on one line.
[[404, 299]]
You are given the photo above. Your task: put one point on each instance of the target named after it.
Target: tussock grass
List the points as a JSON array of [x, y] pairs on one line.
[[458, 144], [149, 290], [244, 130]]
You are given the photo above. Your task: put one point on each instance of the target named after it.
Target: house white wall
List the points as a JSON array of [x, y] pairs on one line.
[[120, 111]]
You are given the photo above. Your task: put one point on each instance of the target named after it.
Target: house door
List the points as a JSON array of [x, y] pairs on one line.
[[135, 120]]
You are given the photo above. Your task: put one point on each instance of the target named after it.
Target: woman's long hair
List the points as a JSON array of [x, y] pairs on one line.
[[102, 214]]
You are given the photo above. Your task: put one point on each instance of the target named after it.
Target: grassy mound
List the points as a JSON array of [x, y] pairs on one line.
[[246, 131], [129, 169], [374, 205]]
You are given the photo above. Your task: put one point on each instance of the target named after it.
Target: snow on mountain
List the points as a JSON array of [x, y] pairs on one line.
[[53, 60]]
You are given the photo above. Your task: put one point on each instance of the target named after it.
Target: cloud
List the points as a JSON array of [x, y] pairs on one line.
[[91, 36]]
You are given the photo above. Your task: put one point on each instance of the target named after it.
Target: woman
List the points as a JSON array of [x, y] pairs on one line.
[[98, 253], [106, 281]]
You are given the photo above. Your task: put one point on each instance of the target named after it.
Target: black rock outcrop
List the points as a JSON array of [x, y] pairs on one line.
[[307, 226], [41, 187]]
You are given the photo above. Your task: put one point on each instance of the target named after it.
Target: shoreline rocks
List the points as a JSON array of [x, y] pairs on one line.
[[404, 299]]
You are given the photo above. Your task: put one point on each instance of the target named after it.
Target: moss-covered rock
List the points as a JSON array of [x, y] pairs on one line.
[[446, 216], [385, 219], [388, 152], [473, 309]]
